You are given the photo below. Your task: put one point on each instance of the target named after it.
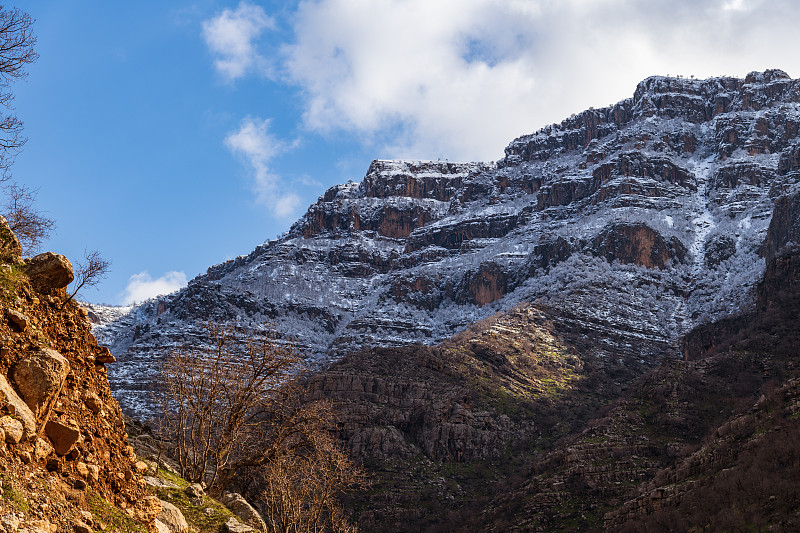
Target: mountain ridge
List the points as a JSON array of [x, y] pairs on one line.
[[637, 222]]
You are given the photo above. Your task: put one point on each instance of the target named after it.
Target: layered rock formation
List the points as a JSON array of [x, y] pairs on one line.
[[634, 222], [706, 440]]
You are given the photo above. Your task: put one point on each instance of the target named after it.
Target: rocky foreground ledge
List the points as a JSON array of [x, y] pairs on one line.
[[65, 461]]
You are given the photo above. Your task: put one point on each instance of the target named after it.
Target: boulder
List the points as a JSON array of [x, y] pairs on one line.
[[195, 490], [12, 428], [160, 526], [39, 378], [49, 272], [10, 249], [148, 509], [62, 435], [42, 449], [17, 408], [239, 506], [18, 319], [234, 526], [173, 518]]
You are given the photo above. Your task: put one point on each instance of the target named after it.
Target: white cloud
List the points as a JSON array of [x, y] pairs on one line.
[[230, 36], [257, 146], [142, 287], [461, 78]]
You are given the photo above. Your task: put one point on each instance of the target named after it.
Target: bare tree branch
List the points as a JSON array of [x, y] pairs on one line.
[[89, 273], [17, 43], [27, 223]]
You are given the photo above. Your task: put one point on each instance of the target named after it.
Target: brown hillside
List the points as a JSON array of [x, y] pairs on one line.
[[63, 448]]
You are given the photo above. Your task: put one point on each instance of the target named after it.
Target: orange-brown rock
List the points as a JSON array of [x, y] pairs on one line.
[[49, 271], [40, 378], [637, 244], [62, 435], [16, 407]]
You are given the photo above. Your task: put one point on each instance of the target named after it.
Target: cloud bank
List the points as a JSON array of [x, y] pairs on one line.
[[142, 286], [462, 78]]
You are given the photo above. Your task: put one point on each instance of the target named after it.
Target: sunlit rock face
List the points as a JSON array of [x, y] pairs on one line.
[[634, 222]]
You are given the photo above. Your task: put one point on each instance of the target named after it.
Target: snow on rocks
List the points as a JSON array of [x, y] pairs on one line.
[[581, 215]]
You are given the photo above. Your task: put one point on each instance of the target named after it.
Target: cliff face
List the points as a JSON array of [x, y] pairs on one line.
[[634, 223], [63, 448]]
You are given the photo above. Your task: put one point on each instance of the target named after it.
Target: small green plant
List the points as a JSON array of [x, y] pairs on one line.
[[11, 278], [12, 496], [195, 514], [114, 519]]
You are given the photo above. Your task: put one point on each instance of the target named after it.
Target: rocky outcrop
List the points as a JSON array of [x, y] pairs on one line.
[[637, 244], [56, 452], [10, 250], [49, 272], [784, 228]]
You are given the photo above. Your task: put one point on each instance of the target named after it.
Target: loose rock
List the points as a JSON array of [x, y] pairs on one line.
[[173, 518], [81, 527], [42, 449], [17, 407], [148, 509], [12, 428], [40, 378], [9, 522], [49, 271], [105, 356], [62, 435], [18, 319], [93, 402], [234, 526], [195, 490], [159, 483]]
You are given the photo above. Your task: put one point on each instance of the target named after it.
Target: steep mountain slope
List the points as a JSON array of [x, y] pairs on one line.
[[704, 443], [517, 425], [65, 462], [632, 223]]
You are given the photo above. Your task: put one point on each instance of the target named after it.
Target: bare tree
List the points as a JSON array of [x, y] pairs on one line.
[[219, 395], [234, 410], [302, 485], [27, 223], [16, 53], [89, 272]]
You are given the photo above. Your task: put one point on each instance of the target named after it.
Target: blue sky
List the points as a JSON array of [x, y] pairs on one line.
[[171, 136]]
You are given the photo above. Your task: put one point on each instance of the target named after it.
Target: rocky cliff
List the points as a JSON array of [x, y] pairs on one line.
[[634, 222], [65, 463]]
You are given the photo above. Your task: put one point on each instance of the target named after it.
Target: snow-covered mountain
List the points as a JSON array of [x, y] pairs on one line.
[[631, 223]]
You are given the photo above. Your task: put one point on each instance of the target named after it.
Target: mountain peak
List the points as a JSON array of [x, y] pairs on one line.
[[631, 223]]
